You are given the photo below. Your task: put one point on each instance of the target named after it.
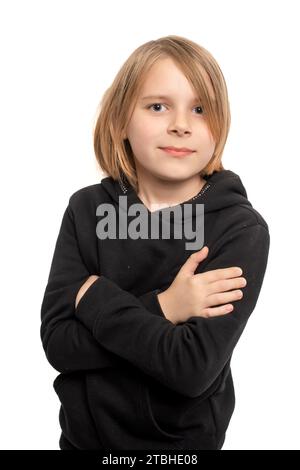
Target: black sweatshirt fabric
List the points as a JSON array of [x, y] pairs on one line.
[[130, 378]]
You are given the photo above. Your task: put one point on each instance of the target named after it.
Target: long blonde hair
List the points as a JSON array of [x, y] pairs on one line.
[[113, 152]]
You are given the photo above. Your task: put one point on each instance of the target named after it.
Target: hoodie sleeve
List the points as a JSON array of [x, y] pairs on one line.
[[189, 356], [68, 344]]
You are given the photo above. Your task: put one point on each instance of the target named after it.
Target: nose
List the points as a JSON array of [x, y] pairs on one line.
[[179, 126]]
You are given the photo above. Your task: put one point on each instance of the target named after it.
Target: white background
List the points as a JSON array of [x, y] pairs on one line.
[[57, 59]]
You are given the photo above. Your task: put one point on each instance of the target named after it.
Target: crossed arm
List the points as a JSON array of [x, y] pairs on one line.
[[68, 344], [109, 324]]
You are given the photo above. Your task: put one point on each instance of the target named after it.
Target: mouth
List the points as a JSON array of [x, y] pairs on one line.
[[177, 152]]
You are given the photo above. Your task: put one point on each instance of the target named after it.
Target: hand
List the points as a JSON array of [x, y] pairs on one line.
[[195, 294], [90, 280]]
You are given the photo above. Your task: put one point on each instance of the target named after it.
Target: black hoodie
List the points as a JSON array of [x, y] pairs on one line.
[[130, 378]]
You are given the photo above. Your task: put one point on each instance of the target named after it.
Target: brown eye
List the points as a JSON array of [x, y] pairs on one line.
[[160, 104], [154, 104], [200, 107]]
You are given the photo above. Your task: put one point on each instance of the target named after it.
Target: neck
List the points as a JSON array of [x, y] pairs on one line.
[[156, 193]]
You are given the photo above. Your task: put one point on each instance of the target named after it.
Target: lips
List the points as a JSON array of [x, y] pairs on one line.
[[177, 149], [176, 152]]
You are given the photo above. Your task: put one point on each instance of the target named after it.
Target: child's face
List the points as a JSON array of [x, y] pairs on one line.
[[177, 122]]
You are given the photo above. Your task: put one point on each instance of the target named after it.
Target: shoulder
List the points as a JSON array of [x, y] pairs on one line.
[[228, 201], [85, 193], [247, 215], [88, 197]]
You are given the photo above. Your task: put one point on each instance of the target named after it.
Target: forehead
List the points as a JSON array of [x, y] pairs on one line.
[[165, 77]]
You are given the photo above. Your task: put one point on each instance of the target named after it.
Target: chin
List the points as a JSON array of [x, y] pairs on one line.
[[172, 176]]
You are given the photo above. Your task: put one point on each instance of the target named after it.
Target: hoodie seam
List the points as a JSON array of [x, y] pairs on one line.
[[258, 220], [225, 179], [249, 226], [223, 240]]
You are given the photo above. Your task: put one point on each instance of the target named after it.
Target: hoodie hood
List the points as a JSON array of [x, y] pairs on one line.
[[222, 189]]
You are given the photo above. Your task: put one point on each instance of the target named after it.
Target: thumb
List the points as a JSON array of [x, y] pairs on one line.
[[192, 262]]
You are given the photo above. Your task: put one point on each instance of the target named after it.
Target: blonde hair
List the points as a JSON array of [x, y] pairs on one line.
[[113, 152]]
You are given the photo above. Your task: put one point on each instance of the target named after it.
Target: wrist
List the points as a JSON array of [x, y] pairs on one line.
[[85, 286], [165, 304]]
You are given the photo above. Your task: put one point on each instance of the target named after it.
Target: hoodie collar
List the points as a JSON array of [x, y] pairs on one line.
[[222, 189]]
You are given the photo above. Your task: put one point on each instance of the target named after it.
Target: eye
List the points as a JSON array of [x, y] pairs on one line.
[[154, 104], [200, 107], [160, 104]]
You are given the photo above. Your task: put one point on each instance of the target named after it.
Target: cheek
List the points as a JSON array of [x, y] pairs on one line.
[[148, 128], [206, 141], [139, 130], [211, 144], [146, 135]]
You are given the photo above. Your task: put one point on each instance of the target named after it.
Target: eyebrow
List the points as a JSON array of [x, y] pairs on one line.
[[164, 97]]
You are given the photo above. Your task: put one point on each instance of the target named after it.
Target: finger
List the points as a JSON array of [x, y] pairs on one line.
[[224, 297], [191, 264], [216, 311], [220, 274], [225, 285]]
